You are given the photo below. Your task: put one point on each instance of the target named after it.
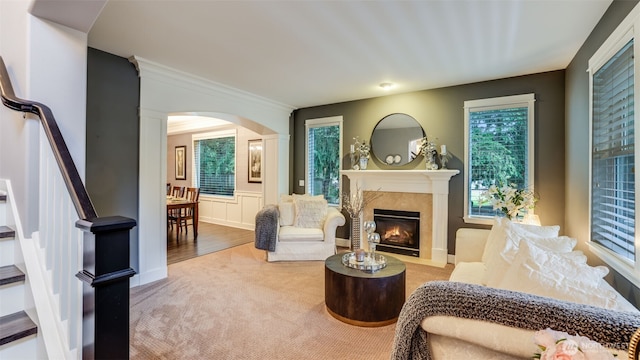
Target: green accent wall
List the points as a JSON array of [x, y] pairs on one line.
[[113, 89], [441, 114]]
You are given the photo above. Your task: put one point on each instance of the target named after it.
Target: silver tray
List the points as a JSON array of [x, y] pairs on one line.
[[368, 265]]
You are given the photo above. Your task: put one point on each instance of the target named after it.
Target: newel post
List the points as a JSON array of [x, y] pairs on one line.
[[106, 273]]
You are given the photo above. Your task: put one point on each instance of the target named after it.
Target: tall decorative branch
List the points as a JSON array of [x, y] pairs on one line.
[[354, 204]]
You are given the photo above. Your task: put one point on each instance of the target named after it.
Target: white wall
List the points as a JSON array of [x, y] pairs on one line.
[[165, 91], [46, 63]]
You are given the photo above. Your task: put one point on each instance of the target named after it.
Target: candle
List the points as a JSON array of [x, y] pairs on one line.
[[353, 148], [443, 149]]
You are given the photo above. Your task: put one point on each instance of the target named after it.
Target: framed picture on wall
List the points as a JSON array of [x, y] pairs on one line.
[[255, 161], [181, 162]]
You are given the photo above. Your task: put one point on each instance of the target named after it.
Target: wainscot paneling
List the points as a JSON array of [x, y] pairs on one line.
[[239, 211]]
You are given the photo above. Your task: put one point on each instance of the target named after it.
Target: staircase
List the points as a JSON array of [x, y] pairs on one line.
[[18, 333]]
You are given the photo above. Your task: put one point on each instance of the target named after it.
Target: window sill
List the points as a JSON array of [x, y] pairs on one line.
[[621, 266], [481, 220]]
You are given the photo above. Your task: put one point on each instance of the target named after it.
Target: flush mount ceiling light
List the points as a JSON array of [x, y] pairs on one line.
[[386, 85]]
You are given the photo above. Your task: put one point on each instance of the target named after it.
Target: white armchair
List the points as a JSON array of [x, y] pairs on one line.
[[300, 227]]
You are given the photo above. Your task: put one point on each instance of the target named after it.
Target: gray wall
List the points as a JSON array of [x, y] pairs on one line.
[[441, 114], [577, 139], [113, 90]]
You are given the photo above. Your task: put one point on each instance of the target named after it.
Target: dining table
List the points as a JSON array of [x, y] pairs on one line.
[[182, 206]]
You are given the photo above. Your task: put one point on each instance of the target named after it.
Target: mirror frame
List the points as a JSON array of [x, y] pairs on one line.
[[396, 158]]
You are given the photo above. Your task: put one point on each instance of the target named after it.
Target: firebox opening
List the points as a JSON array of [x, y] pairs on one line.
[[399, 231]]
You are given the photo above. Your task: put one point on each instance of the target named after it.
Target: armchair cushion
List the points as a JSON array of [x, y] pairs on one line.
[[291, 233]]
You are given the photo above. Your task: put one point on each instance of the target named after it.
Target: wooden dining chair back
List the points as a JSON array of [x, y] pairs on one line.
[[191, 194], [177, 191]]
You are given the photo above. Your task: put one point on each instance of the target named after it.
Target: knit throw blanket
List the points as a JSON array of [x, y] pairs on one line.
[[267, 228], [515, 309]]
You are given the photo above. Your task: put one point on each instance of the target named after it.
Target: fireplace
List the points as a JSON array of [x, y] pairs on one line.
[[399, 231]]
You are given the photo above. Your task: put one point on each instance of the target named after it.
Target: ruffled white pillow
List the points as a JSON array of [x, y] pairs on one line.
[[563, 276], [505, 235]]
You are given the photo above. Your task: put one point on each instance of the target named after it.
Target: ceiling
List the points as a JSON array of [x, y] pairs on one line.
[[308, 53]]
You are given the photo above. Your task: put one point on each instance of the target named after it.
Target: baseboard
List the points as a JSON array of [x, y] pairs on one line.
[[451, 259]]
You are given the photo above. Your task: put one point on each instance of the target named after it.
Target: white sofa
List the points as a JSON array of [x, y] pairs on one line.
[[466, 319], [305, 228]]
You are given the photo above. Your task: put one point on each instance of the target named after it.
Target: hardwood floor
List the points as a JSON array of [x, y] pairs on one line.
[[211, 238]]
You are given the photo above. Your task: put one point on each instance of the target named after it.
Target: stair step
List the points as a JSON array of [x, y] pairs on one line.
[[7, 232], [10, 274], [16, 326]]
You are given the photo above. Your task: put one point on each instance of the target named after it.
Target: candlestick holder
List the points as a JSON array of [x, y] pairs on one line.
[[443, 161]]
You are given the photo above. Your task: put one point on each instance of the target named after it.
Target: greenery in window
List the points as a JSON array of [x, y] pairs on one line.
[[215, 161], [498, 156], [324, 169]]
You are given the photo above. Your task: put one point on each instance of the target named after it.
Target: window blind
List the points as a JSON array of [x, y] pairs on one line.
[[215, 165], [498, 140], [613, 159]]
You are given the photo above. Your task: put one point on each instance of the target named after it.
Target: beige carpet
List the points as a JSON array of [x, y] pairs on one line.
[[232, 304]]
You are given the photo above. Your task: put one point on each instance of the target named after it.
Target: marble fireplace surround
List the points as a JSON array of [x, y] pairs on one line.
[[426, 191]]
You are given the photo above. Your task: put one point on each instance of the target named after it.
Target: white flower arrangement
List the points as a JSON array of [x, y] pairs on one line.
[[562, 346], [511, 201]]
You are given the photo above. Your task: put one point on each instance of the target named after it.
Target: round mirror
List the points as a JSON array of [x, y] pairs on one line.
[[396, 139]]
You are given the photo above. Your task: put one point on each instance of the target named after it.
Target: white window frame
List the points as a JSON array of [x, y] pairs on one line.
[[616, 41], [213, 135], [316, 123], [497, 103]]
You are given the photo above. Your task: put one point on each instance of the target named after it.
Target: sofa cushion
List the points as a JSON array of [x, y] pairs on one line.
[[564, 276], [310, 211], [468, 272], [292, 233]]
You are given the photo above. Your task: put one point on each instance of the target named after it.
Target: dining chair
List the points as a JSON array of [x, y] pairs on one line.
[[172, 215], [191, 194], [178, 191]]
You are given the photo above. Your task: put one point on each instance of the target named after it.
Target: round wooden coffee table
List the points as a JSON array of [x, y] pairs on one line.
[[364, 299]]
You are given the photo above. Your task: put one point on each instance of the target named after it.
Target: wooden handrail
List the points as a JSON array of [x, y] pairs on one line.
[[75, 186]]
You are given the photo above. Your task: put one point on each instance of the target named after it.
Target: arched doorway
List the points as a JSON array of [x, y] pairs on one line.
[[165, 91]]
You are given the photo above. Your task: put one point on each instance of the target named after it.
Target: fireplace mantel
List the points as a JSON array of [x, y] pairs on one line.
[[435, 182]]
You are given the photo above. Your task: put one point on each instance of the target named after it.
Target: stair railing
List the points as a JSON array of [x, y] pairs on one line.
[[104, 250]]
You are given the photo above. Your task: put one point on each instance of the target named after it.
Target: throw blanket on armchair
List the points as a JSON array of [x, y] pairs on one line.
[[267, 228], [478, 302]]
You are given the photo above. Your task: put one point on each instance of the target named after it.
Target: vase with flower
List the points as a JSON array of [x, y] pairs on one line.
[[361, 149], [427, 148], [354, 204], [511, 202]]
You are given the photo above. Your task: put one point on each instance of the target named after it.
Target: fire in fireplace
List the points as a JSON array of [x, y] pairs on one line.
[[399, 231]]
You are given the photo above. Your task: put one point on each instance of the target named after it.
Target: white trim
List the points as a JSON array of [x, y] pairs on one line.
[[614, 43], [497, 103], [317, 123], [165, 91]]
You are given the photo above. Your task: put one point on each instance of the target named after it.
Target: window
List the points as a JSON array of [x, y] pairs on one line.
[[324, 145], [612, 155], [214, 157], [498, 149], [612, 106]]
